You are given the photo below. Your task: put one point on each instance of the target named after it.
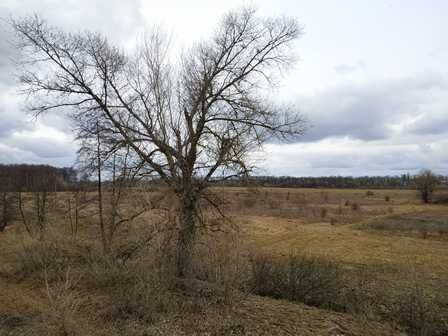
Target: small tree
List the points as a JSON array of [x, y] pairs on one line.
[[426, 183]]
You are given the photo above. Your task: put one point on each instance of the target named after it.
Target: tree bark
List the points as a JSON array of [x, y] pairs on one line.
[[100, 191], [187, 232]]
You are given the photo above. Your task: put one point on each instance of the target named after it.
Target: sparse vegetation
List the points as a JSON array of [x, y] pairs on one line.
[[299, 278], [136, 282], [426, 183]]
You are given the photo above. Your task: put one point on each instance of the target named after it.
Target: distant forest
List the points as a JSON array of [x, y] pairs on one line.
[[403, 181], [26, 177]]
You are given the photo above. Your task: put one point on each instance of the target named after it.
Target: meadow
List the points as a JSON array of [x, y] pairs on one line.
[[281, 261]]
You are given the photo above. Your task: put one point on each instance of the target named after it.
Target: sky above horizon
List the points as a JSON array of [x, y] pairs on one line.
[[371, 79]]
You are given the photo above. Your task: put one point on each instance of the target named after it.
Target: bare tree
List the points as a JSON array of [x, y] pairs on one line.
[[97, 157], [426, 182], [188, 122]]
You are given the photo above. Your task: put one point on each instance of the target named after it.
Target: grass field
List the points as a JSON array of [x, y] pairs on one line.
[[386, 243]]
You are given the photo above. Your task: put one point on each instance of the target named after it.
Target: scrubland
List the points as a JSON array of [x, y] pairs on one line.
[[281, 262]]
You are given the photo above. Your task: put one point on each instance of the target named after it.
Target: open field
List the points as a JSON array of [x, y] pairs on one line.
[[385, 243]]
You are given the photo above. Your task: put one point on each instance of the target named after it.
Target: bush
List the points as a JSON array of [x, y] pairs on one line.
[[63, 304], [143, 297], [426, 183], [369, 193], [355, 206], [311, 280], [323, 213], [387, 198], [418, 311], [37, 255]]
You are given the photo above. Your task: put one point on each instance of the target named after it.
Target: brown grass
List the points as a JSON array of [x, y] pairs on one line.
[[378, 247]]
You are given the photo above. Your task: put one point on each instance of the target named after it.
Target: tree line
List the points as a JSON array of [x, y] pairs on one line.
[[28, 178], [403, 181]]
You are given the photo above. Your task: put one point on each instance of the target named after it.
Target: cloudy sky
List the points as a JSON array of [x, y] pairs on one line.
[[372, 79]]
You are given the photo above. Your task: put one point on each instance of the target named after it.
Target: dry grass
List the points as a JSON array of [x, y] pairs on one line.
[[372, 245]]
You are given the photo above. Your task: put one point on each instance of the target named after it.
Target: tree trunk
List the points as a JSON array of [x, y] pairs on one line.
[[100, 192], [4, 217], [425, 196], [187, 231]]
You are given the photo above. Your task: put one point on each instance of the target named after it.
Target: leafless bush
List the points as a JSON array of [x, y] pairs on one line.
[[416, 309], [220, 263], [37, 255], [323, 212], [387, 198], [355, 206], [104, 271], [249, 202], [311, 280], [424, 232], [143, 297], [63, 304], [369, 193], [415, 224], [426, 183]]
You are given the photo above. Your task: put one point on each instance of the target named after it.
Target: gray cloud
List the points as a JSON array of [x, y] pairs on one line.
[[354, 157], [378, 110], [360, 125], [20, 138], [44, 148], [117, 19]]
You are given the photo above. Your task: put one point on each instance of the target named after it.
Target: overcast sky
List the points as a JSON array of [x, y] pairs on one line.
[[372, 79]]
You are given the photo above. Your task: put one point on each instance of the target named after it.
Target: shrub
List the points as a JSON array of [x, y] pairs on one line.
[[426, 182], [323, 212], [424, 232], [387, 198], [143, 297], [63, 304], [416, 309], [355, 206], [249, 202], [37, 255], [311, 280], [369, 193]]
